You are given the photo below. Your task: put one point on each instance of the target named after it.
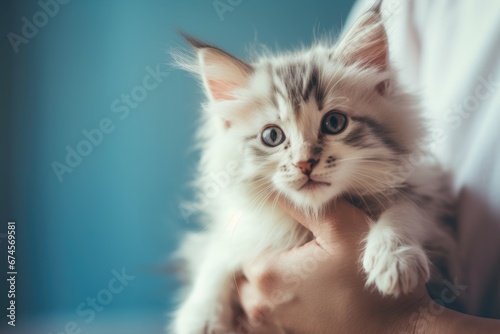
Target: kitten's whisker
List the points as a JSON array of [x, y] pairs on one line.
[[364, 176], [366, 204], [358, 181], [367, 159], [257, 197], [369, 187], [275, 202]]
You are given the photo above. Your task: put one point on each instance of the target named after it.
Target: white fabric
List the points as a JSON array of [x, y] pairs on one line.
[[448, 52]]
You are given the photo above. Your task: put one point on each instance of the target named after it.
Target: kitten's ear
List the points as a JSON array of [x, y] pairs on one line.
[[366, 42], [221, 72]]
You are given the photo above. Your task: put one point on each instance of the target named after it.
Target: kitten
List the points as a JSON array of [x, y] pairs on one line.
[[312, 126]]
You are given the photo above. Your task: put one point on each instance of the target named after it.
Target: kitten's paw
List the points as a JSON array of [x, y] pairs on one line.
[[394, 268]]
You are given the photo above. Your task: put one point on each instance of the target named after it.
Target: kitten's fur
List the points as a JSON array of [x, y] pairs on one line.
[[376, 163]]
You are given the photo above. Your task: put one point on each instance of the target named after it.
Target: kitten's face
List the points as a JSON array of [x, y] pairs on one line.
[[315, 124], [318, 131]]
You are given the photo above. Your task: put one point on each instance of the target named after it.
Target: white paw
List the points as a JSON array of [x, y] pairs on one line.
[[394, 268]]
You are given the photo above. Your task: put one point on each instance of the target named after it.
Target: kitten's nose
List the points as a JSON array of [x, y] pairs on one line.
[[306, 167]]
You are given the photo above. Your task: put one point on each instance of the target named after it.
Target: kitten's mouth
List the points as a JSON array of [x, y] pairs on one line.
[[313, 184]]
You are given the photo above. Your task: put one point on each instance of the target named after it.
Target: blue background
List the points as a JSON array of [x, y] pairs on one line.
[[119, 207]]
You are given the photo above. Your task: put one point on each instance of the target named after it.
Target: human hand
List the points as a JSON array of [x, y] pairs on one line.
[[319, 287]]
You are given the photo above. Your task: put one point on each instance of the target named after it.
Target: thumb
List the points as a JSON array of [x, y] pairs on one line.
[[337, 221]]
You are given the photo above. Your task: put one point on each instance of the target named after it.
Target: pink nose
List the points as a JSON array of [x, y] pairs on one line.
[[306, 167]]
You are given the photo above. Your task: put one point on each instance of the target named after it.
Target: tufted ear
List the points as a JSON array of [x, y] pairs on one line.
[[366, 42], [221, 72]]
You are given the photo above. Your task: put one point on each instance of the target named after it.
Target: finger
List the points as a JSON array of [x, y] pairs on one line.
[[263, 271], [337, 220], [278, 275], [254, 304]]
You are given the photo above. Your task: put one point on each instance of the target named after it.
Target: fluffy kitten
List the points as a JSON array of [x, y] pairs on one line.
[[312, 126]]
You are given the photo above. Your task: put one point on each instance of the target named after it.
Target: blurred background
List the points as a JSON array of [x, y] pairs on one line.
[[96, 131]]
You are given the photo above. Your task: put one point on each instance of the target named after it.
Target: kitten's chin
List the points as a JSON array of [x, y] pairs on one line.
[[312, 195]]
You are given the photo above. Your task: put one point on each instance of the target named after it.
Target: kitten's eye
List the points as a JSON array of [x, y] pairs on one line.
[[333, 123], [272, 136]]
